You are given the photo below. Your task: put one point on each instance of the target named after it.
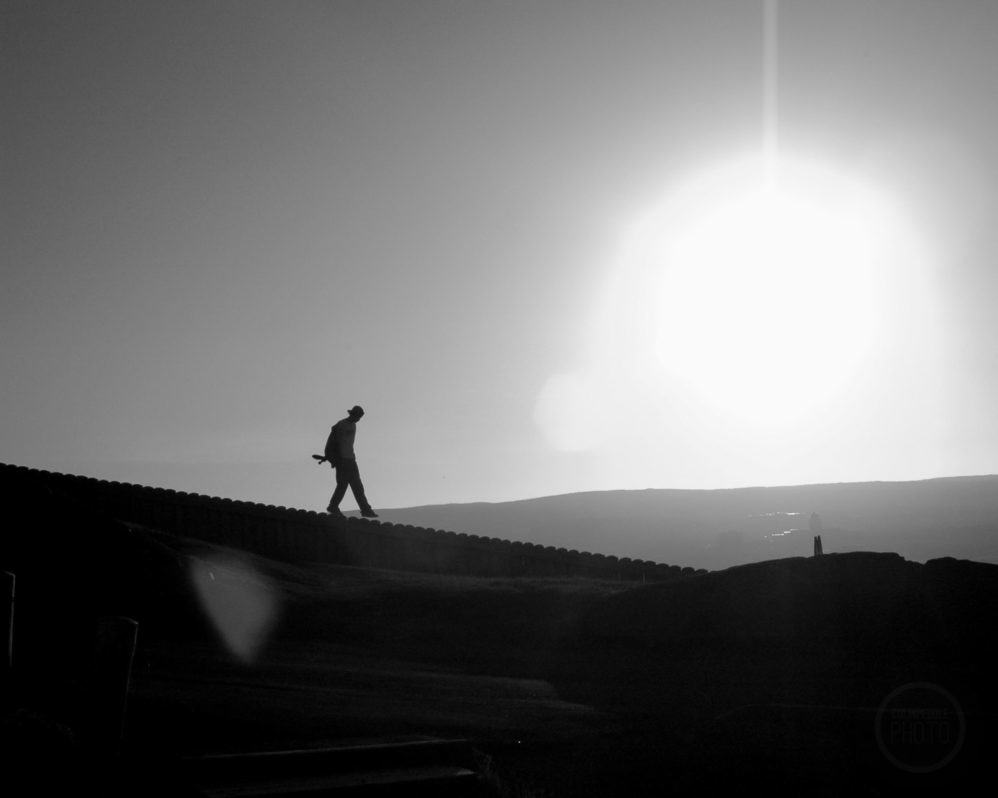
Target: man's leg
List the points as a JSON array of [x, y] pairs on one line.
[[342, 480], [358, 491]]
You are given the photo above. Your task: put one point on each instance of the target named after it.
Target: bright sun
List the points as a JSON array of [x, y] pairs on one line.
[[761, 305], [763, 285]]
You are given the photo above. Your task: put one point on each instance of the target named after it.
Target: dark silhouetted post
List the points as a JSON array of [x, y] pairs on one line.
[[112, 672], [7, 608], [817, 545]]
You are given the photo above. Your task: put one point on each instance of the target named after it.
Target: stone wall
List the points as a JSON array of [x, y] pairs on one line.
[[301, 536]]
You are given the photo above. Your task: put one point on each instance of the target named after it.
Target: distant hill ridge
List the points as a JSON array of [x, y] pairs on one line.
[[719, 528], [294, 535]]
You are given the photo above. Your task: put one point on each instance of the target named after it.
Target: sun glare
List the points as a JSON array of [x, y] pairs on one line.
[[761, 309], [763, 288]]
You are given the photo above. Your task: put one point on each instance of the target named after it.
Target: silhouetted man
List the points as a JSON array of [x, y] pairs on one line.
[[339, 452]]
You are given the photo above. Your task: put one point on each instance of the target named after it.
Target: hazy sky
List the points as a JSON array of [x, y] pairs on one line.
[[224, 223]]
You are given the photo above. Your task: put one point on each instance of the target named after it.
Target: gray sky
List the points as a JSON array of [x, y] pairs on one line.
[[224, 223]]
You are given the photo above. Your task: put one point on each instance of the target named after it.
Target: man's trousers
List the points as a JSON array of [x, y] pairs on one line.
[[347, 473]]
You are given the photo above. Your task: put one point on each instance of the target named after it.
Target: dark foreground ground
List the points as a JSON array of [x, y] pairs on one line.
[[858, 674]]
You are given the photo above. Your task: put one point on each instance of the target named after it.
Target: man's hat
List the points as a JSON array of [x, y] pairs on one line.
[[356, 410]]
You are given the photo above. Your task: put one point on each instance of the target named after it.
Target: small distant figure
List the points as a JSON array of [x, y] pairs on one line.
[[340, 455]]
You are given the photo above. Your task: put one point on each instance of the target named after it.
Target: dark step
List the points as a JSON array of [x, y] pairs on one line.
[[435, 780], [412, 767], [333, 759]]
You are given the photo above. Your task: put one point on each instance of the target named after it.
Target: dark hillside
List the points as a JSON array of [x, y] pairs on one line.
[[782, 666], [73, 562], [768, 676], [240, 652], [797, 630], [300, 536]]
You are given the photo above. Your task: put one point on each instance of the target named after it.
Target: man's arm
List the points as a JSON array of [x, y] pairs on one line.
[[331, 452]]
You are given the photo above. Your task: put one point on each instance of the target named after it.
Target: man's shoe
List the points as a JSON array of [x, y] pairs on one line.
[[368, 513], [333, 510]]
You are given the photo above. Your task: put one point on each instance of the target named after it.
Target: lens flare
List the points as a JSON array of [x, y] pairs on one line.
[[240, 603]]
